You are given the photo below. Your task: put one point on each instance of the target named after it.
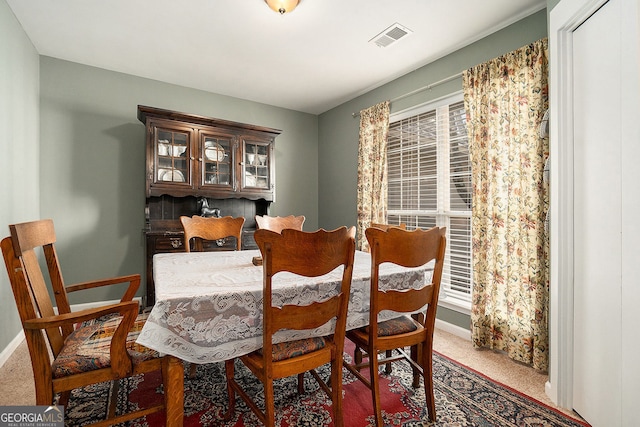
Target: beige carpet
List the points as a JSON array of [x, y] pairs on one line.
[[16, 376], [495, 365]]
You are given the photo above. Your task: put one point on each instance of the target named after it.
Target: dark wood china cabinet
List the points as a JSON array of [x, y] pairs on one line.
[[198, 165]]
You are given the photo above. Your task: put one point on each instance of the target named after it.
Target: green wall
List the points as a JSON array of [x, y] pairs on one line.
[[92, 166], [19, 155], [338, 129]]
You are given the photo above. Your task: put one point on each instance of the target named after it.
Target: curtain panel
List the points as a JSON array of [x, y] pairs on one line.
[[372, 169], [505, 100]]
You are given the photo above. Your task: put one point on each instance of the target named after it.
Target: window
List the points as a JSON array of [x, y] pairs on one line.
[[430, 184]]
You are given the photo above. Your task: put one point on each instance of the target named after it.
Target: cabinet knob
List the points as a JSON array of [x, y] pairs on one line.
[[176, 243]]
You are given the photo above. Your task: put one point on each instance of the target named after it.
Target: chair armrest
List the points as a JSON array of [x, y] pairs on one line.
[[132, 279], [80, 316]]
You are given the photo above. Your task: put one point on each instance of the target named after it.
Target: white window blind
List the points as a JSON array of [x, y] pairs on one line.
[[430, 184]]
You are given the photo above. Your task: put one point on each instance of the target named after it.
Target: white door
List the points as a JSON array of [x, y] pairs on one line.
[[595, 200], [597, 217]]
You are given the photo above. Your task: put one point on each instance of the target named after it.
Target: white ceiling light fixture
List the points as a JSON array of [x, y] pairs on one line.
[[391, 35], [282, 6]]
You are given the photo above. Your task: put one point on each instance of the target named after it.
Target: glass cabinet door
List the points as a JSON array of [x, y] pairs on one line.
[[217, 158], [256, 165], [172, 154]]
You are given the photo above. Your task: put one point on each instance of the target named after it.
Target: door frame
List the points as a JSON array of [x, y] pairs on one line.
[[564, 19]]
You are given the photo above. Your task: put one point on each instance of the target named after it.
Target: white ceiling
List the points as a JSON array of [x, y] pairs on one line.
[[309, 60]]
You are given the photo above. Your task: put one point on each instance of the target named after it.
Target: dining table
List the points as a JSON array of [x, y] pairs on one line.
[[208, 305]]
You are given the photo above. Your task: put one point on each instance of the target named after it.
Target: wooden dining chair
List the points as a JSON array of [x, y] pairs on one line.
[[310, 255], [211, 228], [408, 249], [279, 223], [71, 350], [357, 354]]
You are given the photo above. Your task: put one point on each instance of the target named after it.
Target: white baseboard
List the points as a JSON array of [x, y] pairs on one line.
[[453, 329], [13, 345]]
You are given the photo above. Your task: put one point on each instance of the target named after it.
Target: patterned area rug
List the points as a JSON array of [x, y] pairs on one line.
[[463, 398]]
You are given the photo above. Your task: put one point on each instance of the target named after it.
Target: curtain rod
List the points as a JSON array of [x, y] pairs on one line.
[[420, 89]]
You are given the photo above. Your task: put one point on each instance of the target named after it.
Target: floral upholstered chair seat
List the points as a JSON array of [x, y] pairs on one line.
[[87, 348], [399, 325], [290, 349]]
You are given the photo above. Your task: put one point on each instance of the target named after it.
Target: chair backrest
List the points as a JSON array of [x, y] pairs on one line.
[[385, 227], [28, 280], [211, 228], [308, 254], [279, 223], [408, 249]]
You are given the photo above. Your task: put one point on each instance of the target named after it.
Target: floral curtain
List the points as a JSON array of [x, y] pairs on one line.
[[372, 169], [505, 100]]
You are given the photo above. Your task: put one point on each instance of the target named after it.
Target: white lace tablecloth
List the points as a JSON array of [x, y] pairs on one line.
[[209, 304]]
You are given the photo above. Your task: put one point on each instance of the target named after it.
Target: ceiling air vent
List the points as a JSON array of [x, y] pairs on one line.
[[391, 35]]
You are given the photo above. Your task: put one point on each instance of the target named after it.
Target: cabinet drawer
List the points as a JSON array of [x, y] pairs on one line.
[[169, 244], [228, 244]]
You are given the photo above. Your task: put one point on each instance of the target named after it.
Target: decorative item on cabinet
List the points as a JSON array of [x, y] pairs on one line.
[[205, 210], [197, 165]]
